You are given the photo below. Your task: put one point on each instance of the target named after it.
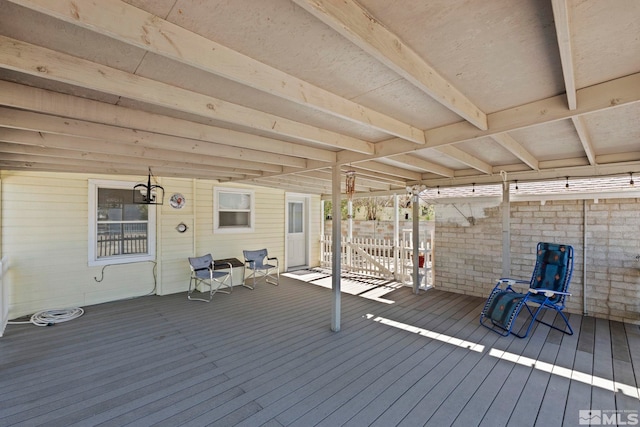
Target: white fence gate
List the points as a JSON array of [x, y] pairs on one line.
[[381, 258]]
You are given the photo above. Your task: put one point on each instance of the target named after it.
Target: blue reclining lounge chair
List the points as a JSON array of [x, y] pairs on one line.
[[547, 289]]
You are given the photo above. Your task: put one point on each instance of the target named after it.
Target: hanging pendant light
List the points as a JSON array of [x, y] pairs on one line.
[[148, 194]]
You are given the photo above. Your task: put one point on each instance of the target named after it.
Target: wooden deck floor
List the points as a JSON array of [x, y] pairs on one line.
[[267, 357]]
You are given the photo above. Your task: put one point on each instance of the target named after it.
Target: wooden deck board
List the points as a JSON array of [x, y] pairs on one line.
[[353, 407], [632, 333], [499, 413], [313, 418], [579, 395], [267, 357], [554, 404]]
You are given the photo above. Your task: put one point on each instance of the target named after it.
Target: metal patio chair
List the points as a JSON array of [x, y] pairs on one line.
[[204, 273], [254, 263], [547, 289]]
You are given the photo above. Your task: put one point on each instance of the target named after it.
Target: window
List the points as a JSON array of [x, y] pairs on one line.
[[119, 230], [233, 211], [296, 217]]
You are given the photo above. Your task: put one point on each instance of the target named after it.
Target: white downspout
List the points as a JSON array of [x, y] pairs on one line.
[[584, 261]]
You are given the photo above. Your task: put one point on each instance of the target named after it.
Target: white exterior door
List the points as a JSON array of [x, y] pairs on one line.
[[296, 233]]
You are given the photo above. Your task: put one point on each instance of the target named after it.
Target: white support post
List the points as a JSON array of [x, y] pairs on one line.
[[349, 232], [416, 240], [322, 231], [336, 248], [506, 231], [396, 238]]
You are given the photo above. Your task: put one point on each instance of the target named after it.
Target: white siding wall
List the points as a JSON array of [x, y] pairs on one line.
[[175, 247], [45, 244], [44, 240], [268, 232]]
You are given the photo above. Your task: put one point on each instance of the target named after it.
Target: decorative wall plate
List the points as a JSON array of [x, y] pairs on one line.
[[177, 201]]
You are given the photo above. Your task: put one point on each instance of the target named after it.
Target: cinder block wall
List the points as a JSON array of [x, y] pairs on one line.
[[557, 222], [468, 255], [613, 271]]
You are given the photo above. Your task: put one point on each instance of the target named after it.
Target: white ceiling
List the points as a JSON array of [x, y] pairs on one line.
[[277, 92]]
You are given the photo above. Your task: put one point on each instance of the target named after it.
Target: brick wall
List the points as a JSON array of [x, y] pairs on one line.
[[468, 254], [613, 272]]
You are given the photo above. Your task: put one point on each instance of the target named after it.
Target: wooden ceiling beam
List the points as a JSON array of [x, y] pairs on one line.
[[378, 176], [43, 165], [44, 63], [69, 145], [574, 168], [59, 104], [599, 97], [423, 164], [139, 28], [23, 152], [466, 158], [97, 162], [277, 182], [104, 133], [352, 21], [325, 175], [585, 138], [390, 170], [563, 33], [507, 141], [310, 183]]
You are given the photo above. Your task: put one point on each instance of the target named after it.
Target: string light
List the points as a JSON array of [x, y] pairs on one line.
[[631, 183], [438, 189], [567, 183], [516, 185], [473, 188]]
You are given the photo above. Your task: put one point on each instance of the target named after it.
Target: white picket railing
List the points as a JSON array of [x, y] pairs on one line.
[[381, 258]]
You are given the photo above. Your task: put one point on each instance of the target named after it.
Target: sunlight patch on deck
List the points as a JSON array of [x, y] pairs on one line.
[[592, 380], [427, 333], [373, 288], [582, 377]]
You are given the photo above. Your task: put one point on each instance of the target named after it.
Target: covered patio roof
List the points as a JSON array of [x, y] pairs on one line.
[[277, 92]]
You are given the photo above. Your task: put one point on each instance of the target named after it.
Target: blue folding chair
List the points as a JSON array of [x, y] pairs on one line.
[[547, 290], [203, 273], [254, 263]]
